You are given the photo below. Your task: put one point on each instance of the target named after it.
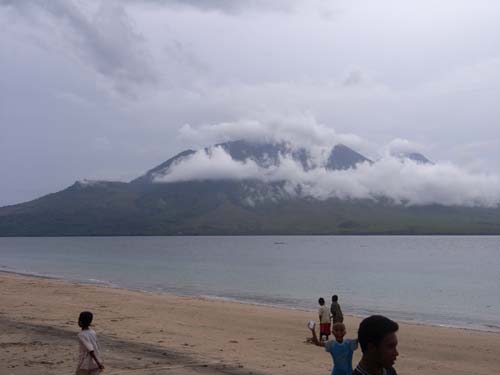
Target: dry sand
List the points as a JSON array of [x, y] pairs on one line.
[[146, 333]]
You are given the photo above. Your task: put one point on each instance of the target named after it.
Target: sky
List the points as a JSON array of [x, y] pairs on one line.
[[109, 89]]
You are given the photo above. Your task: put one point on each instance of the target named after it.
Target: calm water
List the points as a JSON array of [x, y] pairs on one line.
[[442, 280]]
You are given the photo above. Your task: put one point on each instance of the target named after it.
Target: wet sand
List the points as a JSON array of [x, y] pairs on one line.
[[148, 333]]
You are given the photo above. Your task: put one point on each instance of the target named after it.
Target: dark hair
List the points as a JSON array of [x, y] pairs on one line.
[[335, 298], [321, 301], [85, 318], [373, 329]]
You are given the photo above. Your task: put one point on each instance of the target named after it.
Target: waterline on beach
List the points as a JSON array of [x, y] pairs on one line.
[[424, 280]]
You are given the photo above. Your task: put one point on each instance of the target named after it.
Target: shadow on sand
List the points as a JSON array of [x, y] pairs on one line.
[[121, 356]]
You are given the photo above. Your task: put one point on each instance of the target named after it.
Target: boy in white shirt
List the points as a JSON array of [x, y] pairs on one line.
[[88, 359], [324, 320]]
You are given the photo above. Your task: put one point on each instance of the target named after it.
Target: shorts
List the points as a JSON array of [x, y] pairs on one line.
[[324, 329]]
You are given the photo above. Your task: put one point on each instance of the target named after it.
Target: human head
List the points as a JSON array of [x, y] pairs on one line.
[[321, 301], [378, 340], [85, 319], [335, 298], [338, 330]]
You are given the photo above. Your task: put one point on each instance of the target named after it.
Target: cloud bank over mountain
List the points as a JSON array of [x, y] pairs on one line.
[[300, 130], [111, 82], [402, 180]]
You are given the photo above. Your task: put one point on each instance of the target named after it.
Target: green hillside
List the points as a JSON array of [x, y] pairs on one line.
[[219, 208]]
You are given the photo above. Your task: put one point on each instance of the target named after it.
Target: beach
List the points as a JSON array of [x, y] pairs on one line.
[[157, 333]]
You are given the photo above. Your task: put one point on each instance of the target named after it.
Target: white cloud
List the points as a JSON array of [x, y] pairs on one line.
[[212, 164], [298, 131], [404, 182], [399, 146]]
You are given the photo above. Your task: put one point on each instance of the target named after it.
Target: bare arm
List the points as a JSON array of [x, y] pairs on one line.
[[99, 364], [314, 339]]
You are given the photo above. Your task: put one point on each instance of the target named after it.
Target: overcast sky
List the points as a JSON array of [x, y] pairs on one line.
[[108, 89]]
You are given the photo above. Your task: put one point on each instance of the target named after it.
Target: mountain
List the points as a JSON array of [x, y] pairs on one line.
[[264, 155], [415, 156], [225, 206], [342, 158], [419, 158]]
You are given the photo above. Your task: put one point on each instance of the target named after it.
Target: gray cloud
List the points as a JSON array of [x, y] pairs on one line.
[[227, 6], [400, 146], [381, 70], [300, 130], [354, 78], [104, 39]]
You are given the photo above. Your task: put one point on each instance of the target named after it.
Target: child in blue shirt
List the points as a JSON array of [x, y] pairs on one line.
[[341, 350]]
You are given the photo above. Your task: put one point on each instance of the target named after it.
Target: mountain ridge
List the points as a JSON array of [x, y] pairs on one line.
[[232, 207]]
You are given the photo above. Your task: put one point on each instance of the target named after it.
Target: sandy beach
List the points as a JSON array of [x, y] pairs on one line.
[[147, 333]]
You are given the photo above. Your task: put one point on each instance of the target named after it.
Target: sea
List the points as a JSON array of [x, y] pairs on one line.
[[438, 280]]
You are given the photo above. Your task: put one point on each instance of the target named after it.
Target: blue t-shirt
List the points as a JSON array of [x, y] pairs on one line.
[[341, 355]]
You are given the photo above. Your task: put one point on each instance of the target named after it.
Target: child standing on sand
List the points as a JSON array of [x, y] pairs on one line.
[[341, 350], [324, 320], [336, 311], [88, 359]]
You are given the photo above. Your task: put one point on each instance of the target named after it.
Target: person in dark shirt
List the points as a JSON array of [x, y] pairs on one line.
[[336, 311], [378, 341]]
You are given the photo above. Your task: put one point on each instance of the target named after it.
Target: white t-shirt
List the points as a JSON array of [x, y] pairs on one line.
[[88, 342], [324, 314]]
